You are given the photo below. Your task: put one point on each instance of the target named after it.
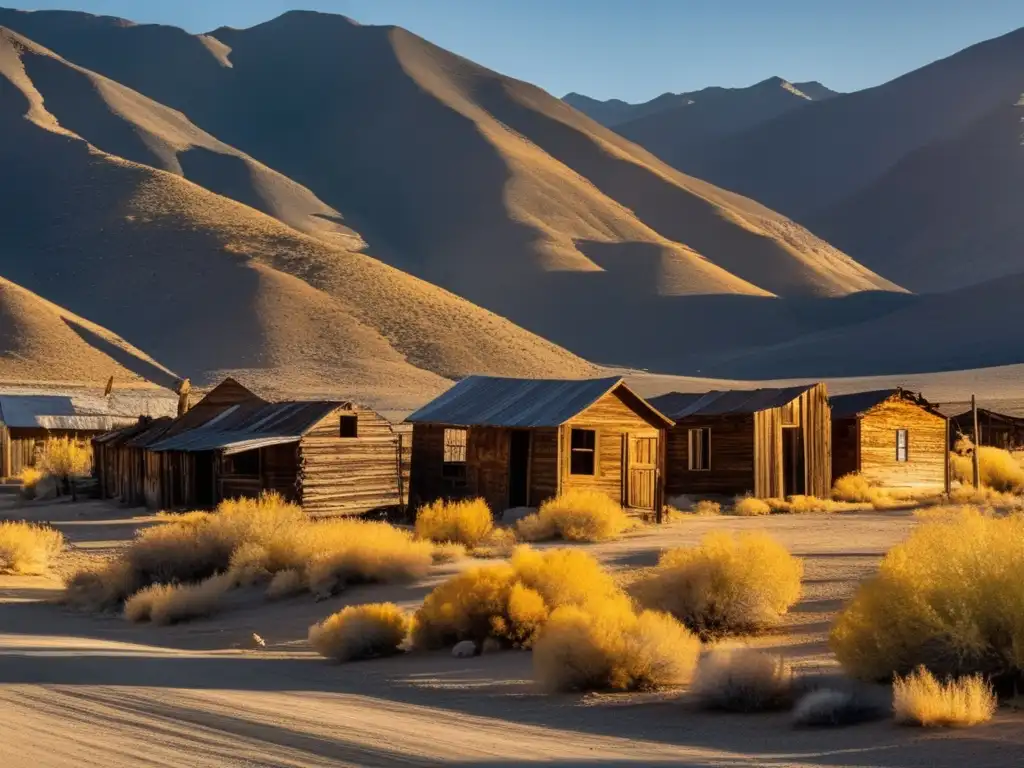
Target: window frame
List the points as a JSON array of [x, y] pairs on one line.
[[592, 452], [353, 420], [905, 433], [453, 468], [690, 456]]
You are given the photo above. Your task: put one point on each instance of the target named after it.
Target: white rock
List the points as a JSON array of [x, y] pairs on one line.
[[464, 649]]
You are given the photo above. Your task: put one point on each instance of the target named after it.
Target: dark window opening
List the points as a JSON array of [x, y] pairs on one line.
[[700, 449], [349, 426], [902, 438], [247, 463], [454, 461], [582, 453]]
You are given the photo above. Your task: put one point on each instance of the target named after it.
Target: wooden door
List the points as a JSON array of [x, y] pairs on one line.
[[642, 475]]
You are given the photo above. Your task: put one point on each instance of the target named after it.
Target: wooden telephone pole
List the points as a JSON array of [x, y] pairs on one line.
[[974, 438]]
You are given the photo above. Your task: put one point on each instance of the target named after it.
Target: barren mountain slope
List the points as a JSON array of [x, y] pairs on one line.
[[482, 184], [208, 285], [809, 160], [42, 342], [948, 215]]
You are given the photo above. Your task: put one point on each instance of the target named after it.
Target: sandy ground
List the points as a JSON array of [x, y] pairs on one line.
[[78, 690]]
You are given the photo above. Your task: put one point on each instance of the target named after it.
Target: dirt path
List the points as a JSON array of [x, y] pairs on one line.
[[84, 691]]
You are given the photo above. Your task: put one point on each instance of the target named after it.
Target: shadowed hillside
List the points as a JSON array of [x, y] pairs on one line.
[[210, 286]]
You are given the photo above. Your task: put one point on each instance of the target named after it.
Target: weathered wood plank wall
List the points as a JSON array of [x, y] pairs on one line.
[[926, 448]]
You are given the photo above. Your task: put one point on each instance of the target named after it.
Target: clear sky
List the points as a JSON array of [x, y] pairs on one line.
[[638, 49]]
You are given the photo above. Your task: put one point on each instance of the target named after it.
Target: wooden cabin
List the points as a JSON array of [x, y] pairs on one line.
[[518, 442], [27, 420], [123, 465], [892, 438], [769, 443], [332, 458], [1000, 430]]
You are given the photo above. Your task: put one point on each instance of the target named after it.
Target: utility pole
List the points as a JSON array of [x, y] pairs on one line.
[[974, 437]]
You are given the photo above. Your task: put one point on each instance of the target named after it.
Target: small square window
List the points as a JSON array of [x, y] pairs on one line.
[[349, 426], [582, 452], [902, 440], [700, 449], [453, 467]]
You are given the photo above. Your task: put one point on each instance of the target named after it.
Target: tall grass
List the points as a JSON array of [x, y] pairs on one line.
[[576, 516], [510, 602], [28, 549], [468, 522], [921, 699], [951, 598], [726, 584], [254, 540]]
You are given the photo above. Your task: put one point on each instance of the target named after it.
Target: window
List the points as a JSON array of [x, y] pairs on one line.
[[349, 426], [901, 444], [454, 466], [582, 444], [700, 449], [246, 463]]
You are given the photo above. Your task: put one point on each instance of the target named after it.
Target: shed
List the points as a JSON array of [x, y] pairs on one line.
[[768, 443], [28, 418], [518, 442], [891, 437], [122, 462], [332, 458], [999, 429]]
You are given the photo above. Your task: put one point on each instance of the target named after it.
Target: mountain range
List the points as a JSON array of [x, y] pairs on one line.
[[325, 205]]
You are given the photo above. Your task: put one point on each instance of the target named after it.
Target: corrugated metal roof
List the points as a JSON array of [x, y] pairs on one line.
[[135, 434], [248, 426], [679, 405], [521, 403], [847, 406], [78, 411]]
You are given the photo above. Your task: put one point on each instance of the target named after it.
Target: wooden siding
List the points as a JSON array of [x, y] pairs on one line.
[[926, 446], [20, 446], [731, 459], [543, 465], [350, 475]]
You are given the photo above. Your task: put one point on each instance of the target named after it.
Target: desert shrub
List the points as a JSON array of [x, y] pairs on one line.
[[501, 542], [921, 699], [28, 549], [707, 508], [743, 680], [998, 468], [448, 552], [950, 597], [63, 457], [987, 497], [101, 585], [171, 603], [286, 583], [609, 647], [466, 522], [252, 540], [726, 584], [750, 506], [29, 477], [799, 505], [511, 601], [853, 487], [831, 707], [361, 632], [576, 516]]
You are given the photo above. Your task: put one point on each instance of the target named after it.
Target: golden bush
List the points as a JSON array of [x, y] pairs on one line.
[[921, 699], [609, 647], [998, 468], [706, 508], [171, 603], [750, 506], [361, 632], [65, 457], [951, 598], [26, 548], [726, 584], [576, 515], [466, 522]]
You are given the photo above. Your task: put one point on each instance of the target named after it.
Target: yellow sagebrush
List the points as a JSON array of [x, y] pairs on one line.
[[466, 521], [576, 515]]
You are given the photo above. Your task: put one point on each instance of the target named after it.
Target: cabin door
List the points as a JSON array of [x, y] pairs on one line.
[[793, 469], [519, 468], [643, 472], [203, 478]]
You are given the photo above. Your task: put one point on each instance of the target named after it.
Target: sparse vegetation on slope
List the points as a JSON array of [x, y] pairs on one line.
[[576, 516], [726, 584], [950, 598]]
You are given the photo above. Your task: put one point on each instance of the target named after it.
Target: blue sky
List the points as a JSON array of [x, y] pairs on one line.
[[637, 49]]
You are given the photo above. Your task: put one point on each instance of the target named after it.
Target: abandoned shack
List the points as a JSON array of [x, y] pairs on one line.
[[769, 443], [28, 419], [122, 463], [997, 429], [332, 458], [518, 442], [891, 437]]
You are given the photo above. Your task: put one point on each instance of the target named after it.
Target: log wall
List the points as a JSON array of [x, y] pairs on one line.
[[926, 446], [731, 460]]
